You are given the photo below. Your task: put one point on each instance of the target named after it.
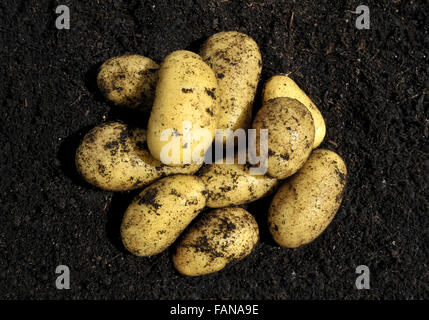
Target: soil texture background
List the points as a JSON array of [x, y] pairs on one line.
[[370, 85]]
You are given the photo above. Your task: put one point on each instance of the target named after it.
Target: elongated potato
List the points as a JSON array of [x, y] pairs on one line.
[[114, 156], [218, 238], [290, 135], [232, 184], [283, 86], [304, 206], [185, 105], [158, 215], [237, 62], [129, 81]]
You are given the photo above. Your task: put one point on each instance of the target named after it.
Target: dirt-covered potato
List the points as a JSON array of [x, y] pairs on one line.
[[304, 205], [159, 214], [290, 135], [114, 156], [232, 184], [129, 81], [237, 62], [283, 86], [219, 237], [185, 105]]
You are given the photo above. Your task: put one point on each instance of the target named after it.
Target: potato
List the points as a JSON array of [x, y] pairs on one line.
[[185, 100], [114, 156], [283, 86], [290, 135], [220, 237], [158, 215], [305, 205], [237, 62], [129, 81], [232, 184]]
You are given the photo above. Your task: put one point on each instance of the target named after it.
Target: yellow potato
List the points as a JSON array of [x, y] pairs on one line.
[[114, 156], [129, 81], [232, 184], [158, 215], [283, 86], [237, 62], [185, 97], [290, 135], [221, 236], [304, 206]]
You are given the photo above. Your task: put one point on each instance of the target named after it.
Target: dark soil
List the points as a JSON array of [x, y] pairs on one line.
[[370, 85]]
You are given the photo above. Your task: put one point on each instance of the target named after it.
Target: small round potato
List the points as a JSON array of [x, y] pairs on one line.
[[114, 156], [283, 86], [290, 135], [237, 62], [182, 122], [220, 237], [158, 215], [304, 205], [232, 184], [129, 81]]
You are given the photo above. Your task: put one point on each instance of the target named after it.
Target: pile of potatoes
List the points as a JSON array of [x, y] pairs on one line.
[[213, 89]]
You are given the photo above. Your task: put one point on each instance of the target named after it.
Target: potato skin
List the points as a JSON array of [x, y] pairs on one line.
[[158, 215], [232, 184], [129, 81], [237, 62], [219, 237], [283, 86], [114, 156], [290, 135], [304, 205], [186, 91]]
